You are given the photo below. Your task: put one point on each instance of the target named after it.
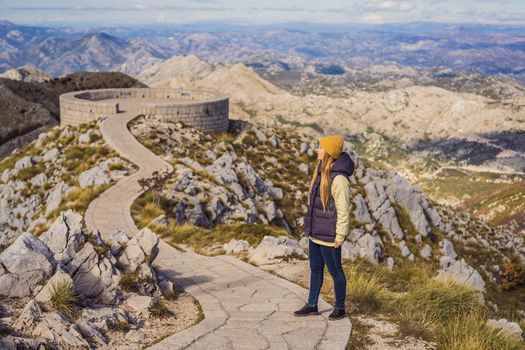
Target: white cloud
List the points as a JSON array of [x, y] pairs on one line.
[[391, 5], [372, 18]]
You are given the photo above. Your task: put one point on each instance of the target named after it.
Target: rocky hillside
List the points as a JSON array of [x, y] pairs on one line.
[[417, 130], [259, 175], [60, 285], [30, 107], [407, 113], [69, 288], [63, 168]]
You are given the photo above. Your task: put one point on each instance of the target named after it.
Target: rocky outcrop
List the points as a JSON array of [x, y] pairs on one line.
[[66, 255], [24, 265], [98, 175], [236, 246], [461, 272], [274, 249], [65, 236]]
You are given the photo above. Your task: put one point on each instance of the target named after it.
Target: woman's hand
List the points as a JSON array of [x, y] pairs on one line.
[[337, 244]]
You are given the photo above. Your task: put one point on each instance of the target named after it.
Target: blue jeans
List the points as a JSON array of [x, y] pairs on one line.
[[319, 256]]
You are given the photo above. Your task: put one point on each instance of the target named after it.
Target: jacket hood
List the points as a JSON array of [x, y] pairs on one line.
[[344, 164]]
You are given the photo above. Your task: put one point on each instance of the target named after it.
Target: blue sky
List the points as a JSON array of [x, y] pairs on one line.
[[124, 12]]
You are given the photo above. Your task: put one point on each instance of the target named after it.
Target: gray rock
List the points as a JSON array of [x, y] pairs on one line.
[[511, 330], [448, 249], [382, 209], [210, 154], [60, 276], [54, 197], [405, 251], [57, 328], [25, 264], [29, 316], [105, 317], [38, 180], [140, 304], [65, 236], [184, 178], [89, 331], [426, 252], [260, 135], [222, 169], [272, 249], [276, 193], [10, 342], [236, 246], [117, 237], [271, 211], [251, 176], [238, 190], [303, 148], [361, 210], [304, 242], [355, 234], [459, 271], [161, 220], [42, 138], [198, 217], [94, 277], [274, 141], [402, 192], [135, 336], [8, 174], [50, 155], [349, 251], [143, 247], [369, 248], [192, 163], [85, 137], [179, 212], [215, 208], [166, 287], [98, 175], [24, 163], [304, 168]]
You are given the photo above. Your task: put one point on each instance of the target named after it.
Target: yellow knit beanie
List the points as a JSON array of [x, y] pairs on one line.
[[333, 145]]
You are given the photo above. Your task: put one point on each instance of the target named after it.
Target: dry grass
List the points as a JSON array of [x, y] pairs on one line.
[[64, 298]]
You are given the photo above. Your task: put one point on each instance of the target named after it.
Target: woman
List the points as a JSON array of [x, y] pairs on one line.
[[327, 222]]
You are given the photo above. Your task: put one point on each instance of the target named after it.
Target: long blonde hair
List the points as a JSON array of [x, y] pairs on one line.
[[326, 166]]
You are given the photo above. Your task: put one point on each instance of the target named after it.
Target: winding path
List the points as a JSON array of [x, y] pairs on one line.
[[244, 307]]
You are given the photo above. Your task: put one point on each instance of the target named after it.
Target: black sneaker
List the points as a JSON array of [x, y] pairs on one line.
[[337, 314], [306, 310]]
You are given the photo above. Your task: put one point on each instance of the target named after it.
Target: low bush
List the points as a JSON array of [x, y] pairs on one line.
[[512, 274]]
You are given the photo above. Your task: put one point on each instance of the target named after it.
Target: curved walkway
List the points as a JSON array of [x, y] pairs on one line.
[[244, 307]]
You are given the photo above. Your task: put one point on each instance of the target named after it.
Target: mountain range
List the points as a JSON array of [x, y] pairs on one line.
[[332, 51]]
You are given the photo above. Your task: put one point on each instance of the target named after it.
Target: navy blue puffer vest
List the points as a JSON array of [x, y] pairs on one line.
[[321, 223]]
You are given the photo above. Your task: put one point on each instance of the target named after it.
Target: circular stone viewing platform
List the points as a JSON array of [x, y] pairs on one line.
[[204, 110]]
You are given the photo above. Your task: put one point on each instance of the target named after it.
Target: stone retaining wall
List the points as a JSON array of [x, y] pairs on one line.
[[207, 111]]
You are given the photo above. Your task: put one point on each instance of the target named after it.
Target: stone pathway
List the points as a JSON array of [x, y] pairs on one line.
[[244, 307]]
